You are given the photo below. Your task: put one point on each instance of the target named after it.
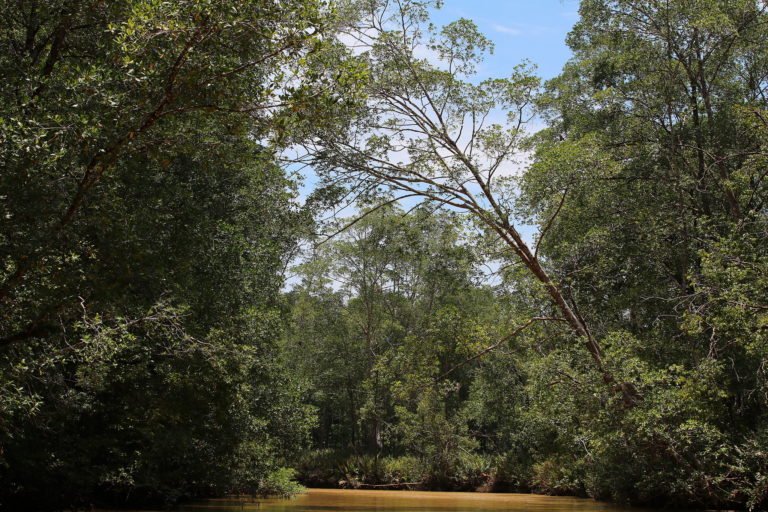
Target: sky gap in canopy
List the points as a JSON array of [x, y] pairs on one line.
[[522, 30]]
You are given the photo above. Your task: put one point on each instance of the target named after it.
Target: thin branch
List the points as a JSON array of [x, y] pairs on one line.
[[549, 223], [504, 340], [363, 216]]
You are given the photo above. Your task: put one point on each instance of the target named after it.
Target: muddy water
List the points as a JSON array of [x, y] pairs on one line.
[[325, 500]]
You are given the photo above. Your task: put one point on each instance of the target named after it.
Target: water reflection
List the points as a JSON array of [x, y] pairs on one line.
[[327, 500]]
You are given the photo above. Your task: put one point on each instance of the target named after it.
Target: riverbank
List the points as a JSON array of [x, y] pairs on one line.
[[470, 472]]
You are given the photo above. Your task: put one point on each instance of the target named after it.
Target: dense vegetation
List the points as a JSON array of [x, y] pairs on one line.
[[146, 224], [151, 350]]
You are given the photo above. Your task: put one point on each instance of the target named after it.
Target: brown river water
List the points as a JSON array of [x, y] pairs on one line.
[[332, 500]]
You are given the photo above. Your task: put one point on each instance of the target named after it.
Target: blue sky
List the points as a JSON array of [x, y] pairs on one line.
[[521, 29], [533, 30]]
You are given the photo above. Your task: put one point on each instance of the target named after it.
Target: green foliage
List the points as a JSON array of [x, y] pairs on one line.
[[648, 187], [280, 483], [402, 470], [649, 170], [557, 476], [385, 352], [146, 225]]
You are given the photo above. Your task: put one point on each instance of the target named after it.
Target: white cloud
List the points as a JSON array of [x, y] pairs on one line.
[[507, 30], [523, 30]]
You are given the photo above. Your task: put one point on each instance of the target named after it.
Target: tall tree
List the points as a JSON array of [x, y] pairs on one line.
[[145, 229], [89, 86], [431, 130], [654, 170]]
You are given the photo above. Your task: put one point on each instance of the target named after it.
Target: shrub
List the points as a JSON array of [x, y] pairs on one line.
[[557, 477], [280, 483], [398, 470]]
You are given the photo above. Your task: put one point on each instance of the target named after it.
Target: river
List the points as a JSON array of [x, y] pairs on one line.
[[332, 500]]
